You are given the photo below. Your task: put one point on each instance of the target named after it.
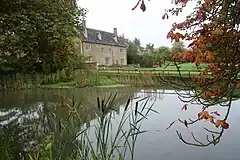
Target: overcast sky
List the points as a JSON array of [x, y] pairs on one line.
[[148, 26]]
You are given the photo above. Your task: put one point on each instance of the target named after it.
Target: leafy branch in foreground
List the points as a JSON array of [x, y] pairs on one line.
[[213, 32], [205, 115]]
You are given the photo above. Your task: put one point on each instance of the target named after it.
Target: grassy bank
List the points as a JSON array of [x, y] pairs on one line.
[[91, 80], [86, 78], [27, 81], [108, 77]]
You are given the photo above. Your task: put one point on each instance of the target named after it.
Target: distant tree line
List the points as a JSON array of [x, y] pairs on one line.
[[146, 56]]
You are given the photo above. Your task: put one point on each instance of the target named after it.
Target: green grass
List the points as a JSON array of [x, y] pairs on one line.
[[105, 81], [167, 69], [71, 84], [111, 86], [184, 66], [100, 81], [167, 66]]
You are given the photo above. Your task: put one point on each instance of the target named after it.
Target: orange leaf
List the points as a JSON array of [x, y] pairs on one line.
[[178, 36], [203, 115], [169, 35], [218, 123], [225, 125], [222, 123]]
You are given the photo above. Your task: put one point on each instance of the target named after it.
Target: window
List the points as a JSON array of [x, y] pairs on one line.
[[90, 58], [122, 61], [121, 50], [102, 50], [88, 46], [110, 50], [106, 60]]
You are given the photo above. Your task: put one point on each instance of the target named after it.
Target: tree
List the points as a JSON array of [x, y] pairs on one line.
[[132, 49], [146, 60], [38, 35], [149, 48], [136, 41], [162, 53], [178, 47], [132, 54], [213, 29]]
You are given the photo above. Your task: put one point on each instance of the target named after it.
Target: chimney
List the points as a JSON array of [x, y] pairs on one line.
[[84, 24], [115, 31], [84, 28]]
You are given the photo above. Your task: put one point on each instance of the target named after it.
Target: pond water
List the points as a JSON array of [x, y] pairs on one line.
[[20, 112]]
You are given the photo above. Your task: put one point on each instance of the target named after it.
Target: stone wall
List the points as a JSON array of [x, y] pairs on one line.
[[105, 54]]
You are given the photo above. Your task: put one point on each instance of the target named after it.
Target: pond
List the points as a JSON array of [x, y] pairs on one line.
[[20, 112]]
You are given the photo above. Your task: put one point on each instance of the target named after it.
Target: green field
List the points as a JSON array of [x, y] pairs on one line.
[[184, 66], [168, 66], [166, 69]]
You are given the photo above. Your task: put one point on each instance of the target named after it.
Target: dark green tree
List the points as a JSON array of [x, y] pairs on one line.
[[137, 42], [133, 56], [162, 53], [146, 60], [178, 47], [149, 48], [37, 35]]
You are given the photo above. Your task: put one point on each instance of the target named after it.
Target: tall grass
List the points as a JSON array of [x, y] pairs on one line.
[[24, 81], [138, 79], [105, 138]]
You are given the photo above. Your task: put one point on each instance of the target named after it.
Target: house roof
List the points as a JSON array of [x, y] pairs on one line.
[[105, 38]]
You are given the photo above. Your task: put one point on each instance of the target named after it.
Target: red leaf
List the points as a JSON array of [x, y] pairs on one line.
[[143, 6], [184, 107], [225, 125], [216, 113]]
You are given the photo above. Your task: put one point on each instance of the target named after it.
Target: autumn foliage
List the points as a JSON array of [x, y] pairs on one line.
[[213, 30], [218, 123]]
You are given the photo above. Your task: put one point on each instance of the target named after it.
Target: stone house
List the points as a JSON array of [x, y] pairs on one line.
[[102, 47]]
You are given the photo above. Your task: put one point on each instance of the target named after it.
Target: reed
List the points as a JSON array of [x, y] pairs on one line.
[[70, 138]]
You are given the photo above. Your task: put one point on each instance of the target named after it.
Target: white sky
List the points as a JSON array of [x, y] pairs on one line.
[[148, 26]]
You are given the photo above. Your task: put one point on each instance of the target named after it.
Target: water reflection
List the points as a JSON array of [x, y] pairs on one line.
[[24, 113]]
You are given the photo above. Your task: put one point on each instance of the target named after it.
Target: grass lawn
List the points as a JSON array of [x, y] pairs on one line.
[[60, 85], [184, 66], [167, 68]]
